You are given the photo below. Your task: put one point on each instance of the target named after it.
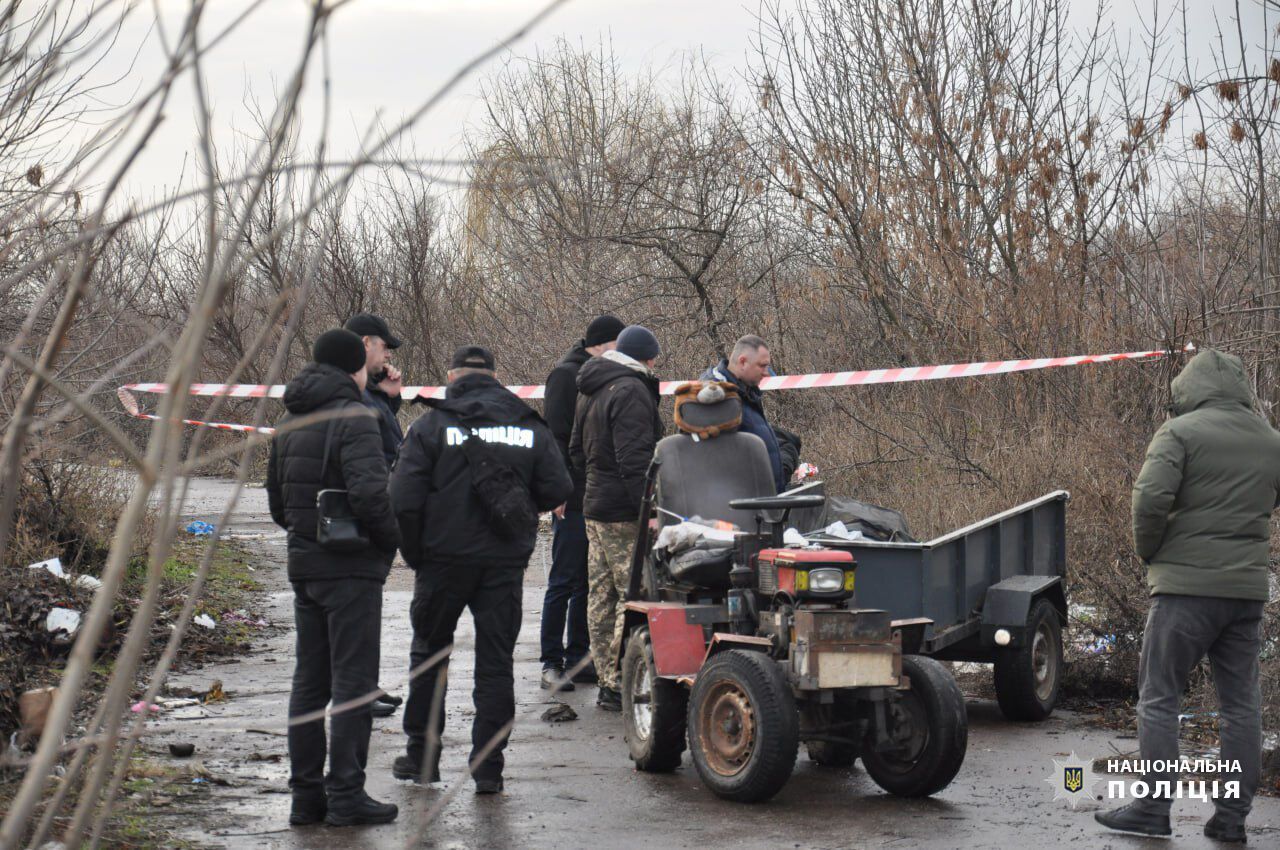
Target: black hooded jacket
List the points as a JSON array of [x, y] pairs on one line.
[[441, 517], [356, 464], [615, 430], [561, 402]]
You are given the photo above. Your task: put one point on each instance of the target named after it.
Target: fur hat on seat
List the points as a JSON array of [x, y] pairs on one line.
[[707, 409]]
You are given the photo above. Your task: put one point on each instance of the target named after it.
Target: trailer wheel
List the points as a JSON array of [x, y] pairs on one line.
[[929, 728], [1028, 678], [744, 729], [842, 715], [653, 709]]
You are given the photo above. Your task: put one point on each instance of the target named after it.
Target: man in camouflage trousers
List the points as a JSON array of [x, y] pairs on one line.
[[615, 429], [608, 573]]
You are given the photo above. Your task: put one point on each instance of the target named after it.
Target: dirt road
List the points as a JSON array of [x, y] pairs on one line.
[[571, 785]]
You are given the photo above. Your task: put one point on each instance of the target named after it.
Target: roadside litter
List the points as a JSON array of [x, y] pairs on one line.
[[559, 713], [206, 621], [62, 623], [53, 566], [201, 529]]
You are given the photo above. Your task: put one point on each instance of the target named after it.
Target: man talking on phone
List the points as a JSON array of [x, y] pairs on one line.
[[381, 395]]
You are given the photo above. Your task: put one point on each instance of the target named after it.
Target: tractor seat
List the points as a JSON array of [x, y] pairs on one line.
[[699, 477]]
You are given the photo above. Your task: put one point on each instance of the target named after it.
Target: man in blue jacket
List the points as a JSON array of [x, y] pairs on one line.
[[746, 366]]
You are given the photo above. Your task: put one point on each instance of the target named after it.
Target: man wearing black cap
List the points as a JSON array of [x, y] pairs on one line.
[[615, 430], [567, 582], [382, 396], [337, 594], [472, 477]]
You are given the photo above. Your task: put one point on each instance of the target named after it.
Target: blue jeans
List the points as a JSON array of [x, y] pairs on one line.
[[566, 597]]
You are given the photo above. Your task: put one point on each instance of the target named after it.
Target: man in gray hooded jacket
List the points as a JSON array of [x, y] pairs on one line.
[[1201, 523]]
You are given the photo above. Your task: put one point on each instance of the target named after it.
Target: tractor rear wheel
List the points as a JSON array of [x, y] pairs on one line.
[[653, 709], [928, 729], [744, 729]]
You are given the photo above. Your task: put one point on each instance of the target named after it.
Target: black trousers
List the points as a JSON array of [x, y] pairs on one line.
[[566, 596], [440, 593], [339, 632]]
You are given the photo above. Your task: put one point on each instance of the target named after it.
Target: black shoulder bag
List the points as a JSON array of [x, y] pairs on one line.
[[337, 528], [512, 514]]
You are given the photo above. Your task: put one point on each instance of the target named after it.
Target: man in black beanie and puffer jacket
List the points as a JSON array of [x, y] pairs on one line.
[[566, 597], [337, 595]]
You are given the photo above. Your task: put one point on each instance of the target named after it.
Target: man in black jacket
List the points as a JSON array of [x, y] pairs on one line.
[[382, 396], [567, 582], [615, 430], [337, 595], [462, 559]]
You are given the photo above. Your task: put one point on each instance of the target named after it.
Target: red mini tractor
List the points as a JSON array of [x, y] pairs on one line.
[[743, 648]]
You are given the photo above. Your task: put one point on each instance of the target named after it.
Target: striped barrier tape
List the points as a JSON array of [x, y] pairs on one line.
[[906, 374]]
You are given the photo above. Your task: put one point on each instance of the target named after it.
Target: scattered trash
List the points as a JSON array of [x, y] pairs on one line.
[[804, 472], [842, 531], [271, 757], [1104, 644], [244, 617], [559, 713], [206, 621], [141, 706], [191, 712], [201, 529], [62, 620], [181, 751], [215, 693], [53, 567], [12, 753], [178, 703], [199, 780], [33, 710]]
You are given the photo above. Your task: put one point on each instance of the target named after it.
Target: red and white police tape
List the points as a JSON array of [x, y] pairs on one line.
[[776, 382]]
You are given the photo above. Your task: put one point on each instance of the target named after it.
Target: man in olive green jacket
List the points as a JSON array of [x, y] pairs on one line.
[[1201, 522]]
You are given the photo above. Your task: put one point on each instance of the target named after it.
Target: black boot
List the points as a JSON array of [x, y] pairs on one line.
[[365, 810], [609, 700], [489, 786], [311, 808], [381, 708], [1133, 818], [1227, 831], [410, 768], [587, 675]]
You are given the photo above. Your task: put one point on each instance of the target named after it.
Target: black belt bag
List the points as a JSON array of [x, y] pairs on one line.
[[337, 528]]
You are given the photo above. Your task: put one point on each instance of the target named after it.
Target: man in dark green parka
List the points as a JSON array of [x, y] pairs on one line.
[[1201, 523]]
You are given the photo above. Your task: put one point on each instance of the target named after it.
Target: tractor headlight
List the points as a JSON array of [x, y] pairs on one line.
[[826, 580]]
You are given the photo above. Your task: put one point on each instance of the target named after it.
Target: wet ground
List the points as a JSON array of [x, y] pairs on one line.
[[571, 785]]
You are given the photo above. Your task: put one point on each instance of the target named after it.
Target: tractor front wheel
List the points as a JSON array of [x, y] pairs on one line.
[[927, 731], [744, 730], [653, 709]]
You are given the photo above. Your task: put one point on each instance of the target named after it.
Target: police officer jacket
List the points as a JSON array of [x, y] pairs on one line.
[[356, 464], [441, 518]]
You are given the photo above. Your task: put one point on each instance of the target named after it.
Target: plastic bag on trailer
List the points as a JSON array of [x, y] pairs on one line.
[[875, 522]]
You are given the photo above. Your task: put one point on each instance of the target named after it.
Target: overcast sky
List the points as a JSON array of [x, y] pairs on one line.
[[389, 55]]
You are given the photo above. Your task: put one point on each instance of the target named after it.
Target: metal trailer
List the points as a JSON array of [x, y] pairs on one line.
[[991, 592]]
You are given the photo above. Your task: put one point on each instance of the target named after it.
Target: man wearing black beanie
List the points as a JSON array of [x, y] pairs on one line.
[[567, 583], [337, 593]]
